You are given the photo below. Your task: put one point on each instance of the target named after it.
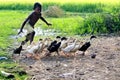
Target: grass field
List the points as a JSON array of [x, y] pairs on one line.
[[68, 5], [9, 20], [66, 1]]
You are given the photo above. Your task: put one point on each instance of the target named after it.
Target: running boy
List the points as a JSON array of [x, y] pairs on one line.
[[31, 21]]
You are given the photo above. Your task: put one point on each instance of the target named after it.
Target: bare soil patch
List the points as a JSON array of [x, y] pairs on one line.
[[106, 65]]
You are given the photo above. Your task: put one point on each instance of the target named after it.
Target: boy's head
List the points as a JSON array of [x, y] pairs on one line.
[[37, 5]]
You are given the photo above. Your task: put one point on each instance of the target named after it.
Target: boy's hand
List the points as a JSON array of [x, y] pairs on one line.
[[49, 24], [20, 32]]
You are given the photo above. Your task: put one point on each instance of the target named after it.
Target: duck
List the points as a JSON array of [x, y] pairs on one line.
[[53, 48], [77, 46], [64, 42], [40, 47], [34, 48], [86, 45], [46, 42], [52, 44], [69, 47]]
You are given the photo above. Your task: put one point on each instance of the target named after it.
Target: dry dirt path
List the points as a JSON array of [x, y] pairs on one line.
[[106, 65]]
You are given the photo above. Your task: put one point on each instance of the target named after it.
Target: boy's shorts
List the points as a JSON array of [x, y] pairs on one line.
[[29, 28]]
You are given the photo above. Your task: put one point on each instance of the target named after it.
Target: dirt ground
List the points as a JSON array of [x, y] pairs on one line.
[[106, 65]]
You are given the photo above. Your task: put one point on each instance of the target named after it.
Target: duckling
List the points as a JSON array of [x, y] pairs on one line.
[[85, 46], [69, 47]]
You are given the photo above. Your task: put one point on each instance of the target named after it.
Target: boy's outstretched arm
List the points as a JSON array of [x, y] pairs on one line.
[[23, 24], [22, 27], [49, 24]]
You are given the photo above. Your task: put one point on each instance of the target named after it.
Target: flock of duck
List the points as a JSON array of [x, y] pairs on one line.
[[59, 45]]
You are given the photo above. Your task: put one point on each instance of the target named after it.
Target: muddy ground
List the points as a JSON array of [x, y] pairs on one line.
[[106, 65]]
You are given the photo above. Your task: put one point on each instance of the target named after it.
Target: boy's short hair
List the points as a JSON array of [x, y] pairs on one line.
[[37, 5]]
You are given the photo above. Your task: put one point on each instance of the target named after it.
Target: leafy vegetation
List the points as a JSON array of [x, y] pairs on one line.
[[102, 23], [68, 5]]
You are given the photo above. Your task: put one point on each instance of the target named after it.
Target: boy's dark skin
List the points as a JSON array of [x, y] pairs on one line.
[[32, 19]]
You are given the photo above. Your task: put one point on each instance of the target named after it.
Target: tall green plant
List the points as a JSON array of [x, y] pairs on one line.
[[101, 23]]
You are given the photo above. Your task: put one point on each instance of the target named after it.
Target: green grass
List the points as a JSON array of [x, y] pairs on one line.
[[9, 20], [11, 67], [67, 25], [60, 1], [69, 5]]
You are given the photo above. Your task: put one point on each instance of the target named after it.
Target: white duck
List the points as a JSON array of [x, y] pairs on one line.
[[64, 43], [77, 46], [34, 49], [69, 47], [40, 47], [47, 42]]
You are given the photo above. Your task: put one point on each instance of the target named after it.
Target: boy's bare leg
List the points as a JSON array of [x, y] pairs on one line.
[[32, 36], [27, 39]]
